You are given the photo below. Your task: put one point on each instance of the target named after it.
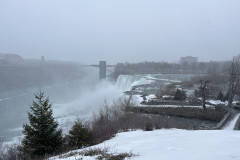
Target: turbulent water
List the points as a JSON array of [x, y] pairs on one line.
[[127, 82], [15, 103], [70, 99]]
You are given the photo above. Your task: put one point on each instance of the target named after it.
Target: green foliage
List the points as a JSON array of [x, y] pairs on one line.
[[180, 95], [79, 136], [41, 135]]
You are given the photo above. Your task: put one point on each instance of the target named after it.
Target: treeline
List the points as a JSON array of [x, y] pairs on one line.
[[221, 82], [25, 74], [168, 68]]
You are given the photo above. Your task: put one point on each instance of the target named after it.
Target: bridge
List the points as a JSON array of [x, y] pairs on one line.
[[29, 68], [102, 69]]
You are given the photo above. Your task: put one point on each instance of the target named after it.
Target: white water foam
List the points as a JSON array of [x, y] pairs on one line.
[[91, 100], [126, 82], [86, 104]]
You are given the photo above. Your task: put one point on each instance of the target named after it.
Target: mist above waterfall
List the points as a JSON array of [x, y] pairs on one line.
[[87, 103]]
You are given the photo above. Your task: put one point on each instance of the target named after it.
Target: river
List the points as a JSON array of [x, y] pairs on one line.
[[71, 100]]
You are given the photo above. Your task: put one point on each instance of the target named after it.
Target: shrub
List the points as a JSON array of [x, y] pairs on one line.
[[2, 149], [148, 126], [99, 154], [193, 100], [185, 112], [180, 95], [168, 90], [188, 83], [109, 120], [12, 152], [79, 135], [103, 124]]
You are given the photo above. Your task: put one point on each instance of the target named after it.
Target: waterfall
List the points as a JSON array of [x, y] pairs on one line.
[[126, 82]]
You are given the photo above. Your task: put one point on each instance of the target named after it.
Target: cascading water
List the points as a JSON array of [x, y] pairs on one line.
[[126, 82]]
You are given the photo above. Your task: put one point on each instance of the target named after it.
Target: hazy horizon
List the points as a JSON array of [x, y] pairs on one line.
[[120, 31]]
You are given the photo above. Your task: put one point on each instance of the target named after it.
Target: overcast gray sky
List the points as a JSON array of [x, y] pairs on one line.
[[120, 30]]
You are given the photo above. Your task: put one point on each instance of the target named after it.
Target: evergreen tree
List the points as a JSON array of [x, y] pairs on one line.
[[41, 135], [180, 95], [79, 136]]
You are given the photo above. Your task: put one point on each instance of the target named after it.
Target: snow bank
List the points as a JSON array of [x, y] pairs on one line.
[[217, 102], [175, 144], [138, 98], [232, 123], [220, 102]]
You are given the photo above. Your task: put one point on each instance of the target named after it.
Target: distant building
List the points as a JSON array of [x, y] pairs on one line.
[[188, 59], [42, 59], [10, 59]]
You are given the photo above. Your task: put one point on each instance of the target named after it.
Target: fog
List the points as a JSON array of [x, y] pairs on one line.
[[71, 99], [118, 31], [88, 31], [88, 102]]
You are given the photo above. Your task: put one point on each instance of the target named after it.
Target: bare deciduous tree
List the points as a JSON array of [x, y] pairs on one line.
[[234, 78], [204, 91], [2, 149]]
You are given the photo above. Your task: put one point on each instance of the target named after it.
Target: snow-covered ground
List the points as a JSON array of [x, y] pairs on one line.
[[217, 102], [231, 125], [174, 144], [138, 99], [176, 106]]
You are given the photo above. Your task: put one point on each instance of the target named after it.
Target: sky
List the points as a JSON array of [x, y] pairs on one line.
[[88, 31]]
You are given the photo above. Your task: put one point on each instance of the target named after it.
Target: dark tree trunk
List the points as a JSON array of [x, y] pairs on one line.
[[234, 79], [204, 89], [204, 103]]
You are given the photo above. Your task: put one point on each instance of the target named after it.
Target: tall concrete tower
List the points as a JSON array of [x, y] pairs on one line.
[[102, 70]]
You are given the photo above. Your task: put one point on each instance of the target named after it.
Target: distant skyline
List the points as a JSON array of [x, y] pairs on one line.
[[88, 31], [64, 60]]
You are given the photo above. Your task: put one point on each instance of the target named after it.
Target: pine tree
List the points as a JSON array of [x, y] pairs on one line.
[[180, 95], [79, 135], [41, 135]]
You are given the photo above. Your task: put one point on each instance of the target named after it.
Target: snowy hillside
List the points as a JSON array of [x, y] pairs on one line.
[[174, 144]]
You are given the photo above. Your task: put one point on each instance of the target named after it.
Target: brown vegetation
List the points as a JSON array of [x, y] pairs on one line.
[[99, 153], [186, 112]]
